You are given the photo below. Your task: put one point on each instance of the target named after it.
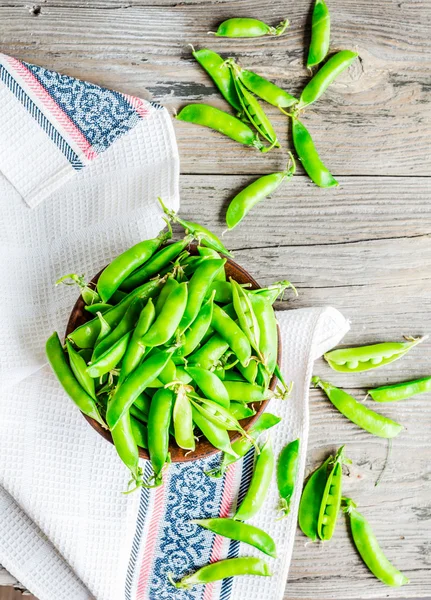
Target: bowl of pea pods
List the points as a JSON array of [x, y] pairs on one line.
[[172, 351]]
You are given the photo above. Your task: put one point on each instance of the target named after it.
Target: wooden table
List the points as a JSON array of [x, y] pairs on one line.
[[364, 247]]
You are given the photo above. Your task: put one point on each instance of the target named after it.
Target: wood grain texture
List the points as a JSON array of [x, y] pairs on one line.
[[364, 247]]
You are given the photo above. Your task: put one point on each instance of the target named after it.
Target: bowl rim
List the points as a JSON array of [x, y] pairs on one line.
[[78, 313]]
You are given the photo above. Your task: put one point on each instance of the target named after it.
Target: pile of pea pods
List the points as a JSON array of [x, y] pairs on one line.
[[242, 89]]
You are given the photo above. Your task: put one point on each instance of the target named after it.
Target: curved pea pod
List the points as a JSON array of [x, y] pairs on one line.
[[198, 287], [267, 90], [223, 569], [79, 369], [243, 445], [70, 384], [101, 307], [259, 484], [169, 317], [401, 391], [309, 156], [170, 285], [222, 292], [246, 316], [241, 411], [358, 413], [109, 359], [86, 335], [127, 323], [242, 532], [255, 192], [126, 394], [195, 333], [156, 263], [216, 435], [331, 500], [320, 34], [267, 324], [127, 447], [370, 550], [215, 66], [363, 358], [136, 350], [325, 76], [140, 433], [287, 471], [183, 420], [210, 384], [250, 371], [123, 265], [210, 353], [214, 118], [240, 27], [232, 334], [244, 391], [311, 500], [159, 420]]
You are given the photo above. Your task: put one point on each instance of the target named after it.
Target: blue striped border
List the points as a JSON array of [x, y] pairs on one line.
[[247, 472], [40, 118], [142, 512]]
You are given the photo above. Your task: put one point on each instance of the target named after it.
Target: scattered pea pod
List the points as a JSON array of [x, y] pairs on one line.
[[242, 532], [266, 90], [320, 34], [216, 68], [287, 471], [369, 548], [331, 499], [246, 28], [363, 358], [223, 569], [255, 192], [311, 500], [401, 391]]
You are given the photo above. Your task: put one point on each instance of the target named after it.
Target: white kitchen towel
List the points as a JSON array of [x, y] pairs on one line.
[[66, 530]]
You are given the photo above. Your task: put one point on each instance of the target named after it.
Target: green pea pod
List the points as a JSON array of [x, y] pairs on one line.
[[246, 316], [354, 360], [242, 532], [214, 118], [140, 433], [244, 391], [217, 436], [222, 291], [240, 27], [213, 254], [325, 76], [331, 499], [70, 384], [105, 330], [259, 484], [275, 291], [243, 445], [124, 265], [250, 371], [156, 263], [143, 404], [233, 375], [170, 285], [79, 369], [232, 334], [215, 413], [267, 325], [194, 334], [210, 353], [183, 421], [89, 295], [159, 420], [369, 548], [138, 414], [320, 34], [241, 411], [86, 335], [127, 447], [309, 157], [126, 325], [136, 350], [210, 385], [223, 569], [311, 500], [204, 236], [287, 472], [169, 317], [358, 413], [181, 375], [401, 391], [215, 66], [255, 192], [126, 394], [109, 359], [266, 90], [198, 287], [101, 307]]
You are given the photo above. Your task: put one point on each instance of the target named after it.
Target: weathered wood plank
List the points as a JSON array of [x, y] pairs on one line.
[[374, 120]]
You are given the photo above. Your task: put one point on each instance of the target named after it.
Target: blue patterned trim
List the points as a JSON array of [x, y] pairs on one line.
[[247, 472], [40, 118], [142, 512], [101, 115]]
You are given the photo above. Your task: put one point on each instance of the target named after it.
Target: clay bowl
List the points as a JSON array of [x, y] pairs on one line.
[[203, 449]]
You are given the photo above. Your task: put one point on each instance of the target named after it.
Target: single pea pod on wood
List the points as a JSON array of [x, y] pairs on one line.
[[358, 413], [311, 500], [309, 156], [363, 358], [320, 34], [255, 192], [331, 499], [287, 471], [401, 391], [368, 547], [240, 27], [216, 68]]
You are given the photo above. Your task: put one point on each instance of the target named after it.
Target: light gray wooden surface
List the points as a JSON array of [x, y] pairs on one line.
[[364, 248]]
